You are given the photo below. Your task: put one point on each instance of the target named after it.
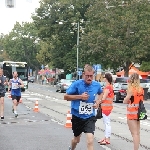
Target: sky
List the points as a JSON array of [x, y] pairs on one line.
[[21, 13]]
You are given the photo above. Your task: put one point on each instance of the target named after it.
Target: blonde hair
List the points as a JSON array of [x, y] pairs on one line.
[[134, 83], [88, 68]]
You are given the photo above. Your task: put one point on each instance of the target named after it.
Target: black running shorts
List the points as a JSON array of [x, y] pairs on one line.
[[80, 125], [14, 97], [2, 95]]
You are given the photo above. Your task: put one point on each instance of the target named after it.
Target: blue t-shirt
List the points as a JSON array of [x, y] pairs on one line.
[[78, 88], [15, 90]]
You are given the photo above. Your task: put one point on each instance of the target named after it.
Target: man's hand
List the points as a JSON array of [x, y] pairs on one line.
[[97, 102], [95, 105], [5, 83], [85, 96]]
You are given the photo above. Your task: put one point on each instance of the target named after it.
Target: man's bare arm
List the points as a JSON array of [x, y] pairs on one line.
[[99, 99], [22, 84], [68, 97]]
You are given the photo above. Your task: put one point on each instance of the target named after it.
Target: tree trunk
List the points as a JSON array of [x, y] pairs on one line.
[[36, 73], [126, 68]]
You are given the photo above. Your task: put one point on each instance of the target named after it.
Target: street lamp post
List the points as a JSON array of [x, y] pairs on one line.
[[77, 49], [78, 28]]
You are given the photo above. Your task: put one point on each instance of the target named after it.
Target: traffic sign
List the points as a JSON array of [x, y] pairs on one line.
[[42, 66], [95, 67], [99, 66], [79, 73]]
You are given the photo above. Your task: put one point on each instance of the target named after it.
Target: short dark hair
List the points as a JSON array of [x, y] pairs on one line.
[[108, 76]]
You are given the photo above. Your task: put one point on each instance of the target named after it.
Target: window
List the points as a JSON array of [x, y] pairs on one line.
[[10, 3], [121, 80], [143, 81]]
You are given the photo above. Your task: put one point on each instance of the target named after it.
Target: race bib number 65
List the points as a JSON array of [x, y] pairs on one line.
[[86, 108]]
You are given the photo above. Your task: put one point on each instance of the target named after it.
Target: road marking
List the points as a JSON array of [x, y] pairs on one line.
[[25, 96], [27, 102], [105, 147], [60, 123], [54, 120], [121, 117], [34, 98]]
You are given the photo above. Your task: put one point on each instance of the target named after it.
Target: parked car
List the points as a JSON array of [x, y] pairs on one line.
[[102, 84], [121, 80], [63, 85], [120, 91], [120, 87], [31, 79]]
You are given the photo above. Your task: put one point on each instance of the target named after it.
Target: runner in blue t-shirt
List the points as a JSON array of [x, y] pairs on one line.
[[82, 94], [16, 85]]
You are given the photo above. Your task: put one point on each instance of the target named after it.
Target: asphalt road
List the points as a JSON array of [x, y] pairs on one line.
[[52, 104], [35, 130]]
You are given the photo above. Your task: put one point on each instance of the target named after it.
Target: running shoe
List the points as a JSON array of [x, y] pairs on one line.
[[16, 115], [2, 117]]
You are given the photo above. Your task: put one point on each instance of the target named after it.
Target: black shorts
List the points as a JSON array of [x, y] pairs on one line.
[[15, 97], [2, 95], [80, 125]]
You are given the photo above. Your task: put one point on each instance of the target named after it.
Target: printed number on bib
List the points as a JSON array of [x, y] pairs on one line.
[[14, 85], [86, 108]]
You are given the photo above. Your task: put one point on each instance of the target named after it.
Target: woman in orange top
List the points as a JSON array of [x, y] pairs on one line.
[[107, 106], [134, 95]]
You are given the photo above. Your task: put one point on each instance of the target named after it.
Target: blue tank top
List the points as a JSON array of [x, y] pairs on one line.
[[15, 90]]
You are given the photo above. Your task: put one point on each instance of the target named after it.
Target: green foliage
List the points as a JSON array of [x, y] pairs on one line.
[[21, 44], [145, 66], [61, 38], [118, 33]]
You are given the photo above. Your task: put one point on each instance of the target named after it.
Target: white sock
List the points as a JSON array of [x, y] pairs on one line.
[[15, 112]]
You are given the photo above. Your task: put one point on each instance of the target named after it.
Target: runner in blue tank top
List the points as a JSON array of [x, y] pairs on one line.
[[16, 85]]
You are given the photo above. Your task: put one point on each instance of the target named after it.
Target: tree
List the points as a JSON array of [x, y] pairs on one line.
[[61, 38], [145, 66], [3, 55], [118, 33], [21, 44]]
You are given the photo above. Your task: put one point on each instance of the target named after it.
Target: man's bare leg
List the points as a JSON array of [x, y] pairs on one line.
[[90, 139], [15, 104], [2, 106], [75, 141]]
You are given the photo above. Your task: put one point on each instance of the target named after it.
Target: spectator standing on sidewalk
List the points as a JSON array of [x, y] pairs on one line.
[[107, 106]]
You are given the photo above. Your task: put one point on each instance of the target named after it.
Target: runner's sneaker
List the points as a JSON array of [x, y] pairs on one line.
[[70, 148], [16, 115], [2, 117]]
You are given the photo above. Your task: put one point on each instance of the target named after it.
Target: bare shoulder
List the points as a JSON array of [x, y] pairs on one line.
[[20, 81], [130, 92]]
